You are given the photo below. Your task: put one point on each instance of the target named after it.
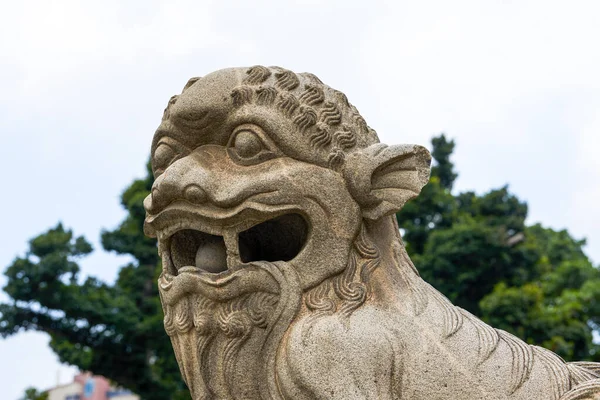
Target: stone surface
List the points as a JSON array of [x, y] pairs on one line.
[[284, 274]]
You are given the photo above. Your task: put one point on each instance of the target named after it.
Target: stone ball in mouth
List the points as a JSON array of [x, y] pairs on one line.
[[212, 255], [278, 239]]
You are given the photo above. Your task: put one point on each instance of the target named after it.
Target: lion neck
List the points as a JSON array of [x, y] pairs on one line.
[[391, 283]]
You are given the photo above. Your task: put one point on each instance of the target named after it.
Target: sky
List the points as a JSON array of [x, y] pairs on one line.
[[83, 86]]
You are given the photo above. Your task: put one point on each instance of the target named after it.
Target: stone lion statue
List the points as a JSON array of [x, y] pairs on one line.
[[284, 274]]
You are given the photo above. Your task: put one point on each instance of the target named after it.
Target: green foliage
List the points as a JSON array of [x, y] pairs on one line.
[[112, 330], [443, 169], [532, 281], [33, 394]]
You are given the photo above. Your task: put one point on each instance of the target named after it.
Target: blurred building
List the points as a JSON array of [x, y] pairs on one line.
[[89, 387]]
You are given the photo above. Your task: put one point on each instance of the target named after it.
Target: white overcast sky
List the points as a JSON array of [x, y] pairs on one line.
[[83, 85]]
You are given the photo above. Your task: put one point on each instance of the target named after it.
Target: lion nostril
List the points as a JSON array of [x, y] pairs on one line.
[[148, 203], [194, 194], [155, 201]]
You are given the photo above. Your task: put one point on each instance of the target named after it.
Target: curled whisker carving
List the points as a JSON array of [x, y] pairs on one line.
[[241, 95], [265, 96], [367, 268], [352, 286], [359, 295], [202, 323], [237, 327], [286, 80], [202, 315], [351, 292], [202, 347], [312, 95], [359, 121], [321, 137], [306, 118], [234, 324], [366, 248], [257, 75], [321, 304], [259, 307], [330, 114], [345, 138], [369, 255], [287, 103], [183, 318], [318, 299], [336, 158], [168, 321]]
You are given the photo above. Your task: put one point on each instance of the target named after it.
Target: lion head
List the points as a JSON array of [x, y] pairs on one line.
[[284, 274], [267, 183]]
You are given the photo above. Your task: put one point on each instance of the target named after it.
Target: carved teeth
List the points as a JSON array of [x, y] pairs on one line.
[[189, 269], [192, 250], [232, 249]]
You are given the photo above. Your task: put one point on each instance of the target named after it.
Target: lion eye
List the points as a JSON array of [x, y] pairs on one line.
[[247, 144], [167, 152], [163, 155], [250, 145]]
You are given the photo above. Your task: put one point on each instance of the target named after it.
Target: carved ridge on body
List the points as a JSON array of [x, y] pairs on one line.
[[258, 144]]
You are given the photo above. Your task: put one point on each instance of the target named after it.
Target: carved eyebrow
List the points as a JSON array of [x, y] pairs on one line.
[[192, 119], [195, 128]]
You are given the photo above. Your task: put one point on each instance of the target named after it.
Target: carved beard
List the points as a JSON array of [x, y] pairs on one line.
[[227, 350]]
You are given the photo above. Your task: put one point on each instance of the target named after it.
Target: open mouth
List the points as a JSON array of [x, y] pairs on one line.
[[277, 239]]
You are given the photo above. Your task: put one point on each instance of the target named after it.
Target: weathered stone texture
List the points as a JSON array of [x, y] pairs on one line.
[[284, 274]]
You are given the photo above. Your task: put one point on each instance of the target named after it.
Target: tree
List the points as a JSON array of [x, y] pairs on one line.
[[33, 394], [112, 330], [532, 281]]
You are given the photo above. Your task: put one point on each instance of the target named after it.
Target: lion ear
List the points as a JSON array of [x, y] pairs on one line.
[[383, 178]]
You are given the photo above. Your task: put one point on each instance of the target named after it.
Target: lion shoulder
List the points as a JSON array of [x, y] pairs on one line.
[[341, 357]]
